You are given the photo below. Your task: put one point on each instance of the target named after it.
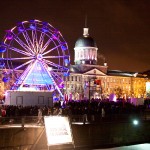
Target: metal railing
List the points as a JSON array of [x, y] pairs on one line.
[[75, 119]]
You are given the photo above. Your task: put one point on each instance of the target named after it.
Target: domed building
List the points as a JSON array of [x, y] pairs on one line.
[[85, 73], [89, 80]]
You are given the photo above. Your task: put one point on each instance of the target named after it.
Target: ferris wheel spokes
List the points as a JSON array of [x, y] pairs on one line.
[[35, 41], [41, 41], [56, 76], [52, 49], [22, 58], [31, 38], [46, 45], [56, 65], [53, 57], [28, 40], [20, 51], [22, 65], [23, 45]]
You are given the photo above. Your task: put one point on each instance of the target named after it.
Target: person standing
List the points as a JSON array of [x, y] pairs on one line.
[[40, 116], [103, 112]]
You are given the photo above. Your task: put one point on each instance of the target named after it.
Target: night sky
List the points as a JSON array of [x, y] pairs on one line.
[[121, 28]]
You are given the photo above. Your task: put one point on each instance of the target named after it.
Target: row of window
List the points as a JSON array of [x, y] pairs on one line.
[[73, 87], [73, 78], [78, 78]]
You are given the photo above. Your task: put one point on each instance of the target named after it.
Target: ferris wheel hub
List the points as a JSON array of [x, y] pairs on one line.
[[39, 56]]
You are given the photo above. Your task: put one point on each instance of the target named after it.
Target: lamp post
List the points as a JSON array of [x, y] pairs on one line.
[[89, 89], [92, 78]]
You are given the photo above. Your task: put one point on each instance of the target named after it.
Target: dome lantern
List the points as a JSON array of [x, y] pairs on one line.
[[85, 32]]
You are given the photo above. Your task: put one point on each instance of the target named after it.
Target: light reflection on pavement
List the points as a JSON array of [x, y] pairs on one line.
[[31, 125], [132, 147]]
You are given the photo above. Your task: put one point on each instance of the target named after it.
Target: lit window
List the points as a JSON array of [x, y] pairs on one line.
[[75, 78]]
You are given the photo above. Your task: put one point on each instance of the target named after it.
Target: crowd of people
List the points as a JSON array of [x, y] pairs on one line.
[[80, 107]]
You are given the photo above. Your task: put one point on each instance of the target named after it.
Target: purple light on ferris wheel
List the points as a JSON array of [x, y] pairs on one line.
[[32, 21], [63, 47], [2, 47], [45, 23], [61, 85], [5, 79], [2, 64], [45, 27], [32, 27], [9, 35], [20, 27], [66, 62], [66, 74], [55, 35]]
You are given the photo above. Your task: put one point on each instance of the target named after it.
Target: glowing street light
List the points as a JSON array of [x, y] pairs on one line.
[[135, 122]]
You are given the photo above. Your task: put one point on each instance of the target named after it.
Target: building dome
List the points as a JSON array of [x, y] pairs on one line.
[[85, 49], [85, 41]]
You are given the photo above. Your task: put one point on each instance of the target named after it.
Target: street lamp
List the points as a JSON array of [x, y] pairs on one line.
[[92, 78], [135, 122]]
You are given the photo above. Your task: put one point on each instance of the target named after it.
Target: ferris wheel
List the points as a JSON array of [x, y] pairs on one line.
[[35, 55]]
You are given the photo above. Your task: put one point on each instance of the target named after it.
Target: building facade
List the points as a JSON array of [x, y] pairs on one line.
[[89, 80]]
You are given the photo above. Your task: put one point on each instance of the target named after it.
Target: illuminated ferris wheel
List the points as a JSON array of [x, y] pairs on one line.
[[36, 55]]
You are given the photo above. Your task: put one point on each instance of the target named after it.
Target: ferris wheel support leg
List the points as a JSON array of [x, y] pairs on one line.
[[60, 92]]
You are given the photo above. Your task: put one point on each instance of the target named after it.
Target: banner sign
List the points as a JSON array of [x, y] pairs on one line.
[[57, 130]]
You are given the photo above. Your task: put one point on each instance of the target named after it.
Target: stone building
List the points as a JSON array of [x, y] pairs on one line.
[[89, 80]]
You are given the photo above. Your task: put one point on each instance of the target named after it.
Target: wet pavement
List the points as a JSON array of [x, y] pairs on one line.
[[145, 146]]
